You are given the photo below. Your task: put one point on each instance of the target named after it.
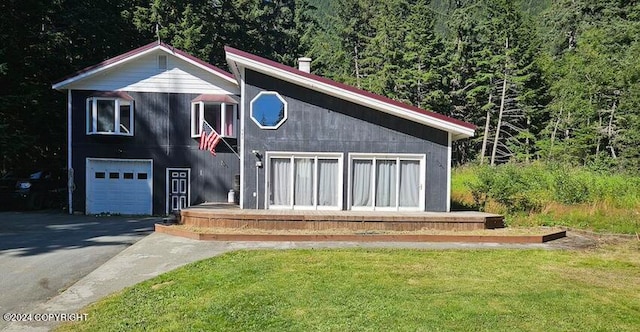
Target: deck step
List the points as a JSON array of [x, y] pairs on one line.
[[325, 220]]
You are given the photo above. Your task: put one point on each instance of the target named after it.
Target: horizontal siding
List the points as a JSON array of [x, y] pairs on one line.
[[143, 75]]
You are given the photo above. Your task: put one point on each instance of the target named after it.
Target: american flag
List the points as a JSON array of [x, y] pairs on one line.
[[209, 141]]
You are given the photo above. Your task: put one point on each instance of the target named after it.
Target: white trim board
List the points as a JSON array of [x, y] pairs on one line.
[[70, 171], [449, 140], [241, 138]]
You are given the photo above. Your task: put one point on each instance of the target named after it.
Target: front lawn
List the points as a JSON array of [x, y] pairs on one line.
[[377, 290]]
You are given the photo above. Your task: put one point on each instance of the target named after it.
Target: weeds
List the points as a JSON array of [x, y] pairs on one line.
[[551, 195]]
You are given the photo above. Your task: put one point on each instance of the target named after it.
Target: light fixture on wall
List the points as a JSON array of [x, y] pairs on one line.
[[257, 154]]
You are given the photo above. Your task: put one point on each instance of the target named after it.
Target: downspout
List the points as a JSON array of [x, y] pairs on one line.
[[259, 165], [70, 179], [241, 137], [257, 185], [449, 143]]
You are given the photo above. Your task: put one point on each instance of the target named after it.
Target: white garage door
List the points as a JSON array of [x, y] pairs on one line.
[[119, 186]]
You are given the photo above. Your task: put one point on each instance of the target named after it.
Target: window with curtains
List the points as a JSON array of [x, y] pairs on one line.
[[386, 182], [304, 181], [220, 116]]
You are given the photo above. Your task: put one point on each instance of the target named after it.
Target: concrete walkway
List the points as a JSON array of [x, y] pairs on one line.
[[160, 253]]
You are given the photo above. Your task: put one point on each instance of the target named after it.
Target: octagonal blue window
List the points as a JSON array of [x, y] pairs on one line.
[[268, 110]]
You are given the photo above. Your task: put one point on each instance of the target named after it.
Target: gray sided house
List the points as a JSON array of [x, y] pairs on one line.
[[312, 143], [290, 139], [134, 132]]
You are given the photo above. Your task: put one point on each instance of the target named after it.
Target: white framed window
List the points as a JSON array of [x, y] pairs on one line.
[[304, 180], [384, 182], [222, 117], [269, 110], [109, 116]]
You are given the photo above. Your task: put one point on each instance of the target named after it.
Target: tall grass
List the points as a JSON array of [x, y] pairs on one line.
[[544, 194]]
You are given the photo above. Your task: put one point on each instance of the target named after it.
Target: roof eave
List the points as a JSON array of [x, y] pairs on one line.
[[229, 77], [105, 65], [129, 56], [458, 131]]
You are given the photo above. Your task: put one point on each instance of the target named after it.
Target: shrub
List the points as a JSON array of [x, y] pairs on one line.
[[570, 188], [553, 194], [530, 187], [517, 188]]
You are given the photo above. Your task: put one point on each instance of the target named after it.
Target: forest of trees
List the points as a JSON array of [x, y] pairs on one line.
[[555, 81]]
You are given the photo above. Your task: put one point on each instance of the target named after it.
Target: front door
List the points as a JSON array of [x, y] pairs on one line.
[[177, 189]]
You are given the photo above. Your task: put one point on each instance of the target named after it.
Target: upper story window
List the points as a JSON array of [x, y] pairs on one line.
[[110, 114], [268, 110], [219, 112]]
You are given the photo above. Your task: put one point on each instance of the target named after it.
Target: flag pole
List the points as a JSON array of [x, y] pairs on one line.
[[205, 123]]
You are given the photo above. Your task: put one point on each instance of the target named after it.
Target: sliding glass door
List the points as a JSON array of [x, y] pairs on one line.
[[304, 181], [383, 182]]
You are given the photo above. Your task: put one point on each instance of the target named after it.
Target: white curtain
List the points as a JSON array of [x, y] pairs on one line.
[[328, 182], [386, 183], [361, 190], [409, 183], [303, 194], [280, 182]]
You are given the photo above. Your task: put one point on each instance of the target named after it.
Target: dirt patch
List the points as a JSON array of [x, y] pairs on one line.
[[574, 241], [585, 240]]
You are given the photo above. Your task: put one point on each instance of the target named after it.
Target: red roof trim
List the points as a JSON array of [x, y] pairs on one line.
[[143, 49], [203, 63], [348, 87]]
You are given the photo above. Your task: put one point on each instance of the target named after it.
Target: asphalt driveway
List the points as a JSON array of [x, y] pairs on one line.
[[43, 253]]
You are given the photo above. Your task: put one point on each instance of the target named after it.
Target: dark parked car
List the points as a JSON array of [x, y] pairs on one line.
[[33, 190]]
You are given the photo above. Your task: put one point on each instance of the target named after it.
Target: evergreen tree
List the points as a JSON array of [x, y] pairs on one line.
[[594, 110], [277, 29], [355, 29], [423, 61], [573, 97], [40, 42], [494, 79]]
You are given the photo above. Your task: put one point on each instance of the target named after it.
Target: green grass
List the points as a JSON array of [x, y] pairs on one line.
[[551, 195], [379, 290]]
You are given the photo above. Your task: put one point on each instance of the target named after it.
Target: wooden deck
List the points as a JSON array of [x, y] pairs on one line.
[[230, 216]]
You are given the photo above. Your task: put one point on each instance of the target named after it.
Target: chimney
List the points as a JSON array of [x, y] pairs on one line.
[[304, 64]]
